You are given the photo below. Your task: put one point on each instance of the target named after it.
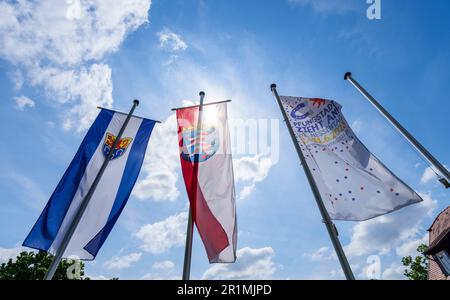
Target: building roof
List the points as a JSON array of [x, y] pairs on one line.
[[444, 211]]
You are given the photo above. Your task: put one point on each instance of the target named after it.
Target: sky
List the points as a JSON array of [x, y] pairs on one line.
[[59, 60]]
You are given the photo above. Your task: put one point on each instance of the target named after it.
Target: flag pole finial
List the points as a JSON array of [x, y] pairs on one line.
[[273, 86], [136, 101], [347, 75], [202, 94]]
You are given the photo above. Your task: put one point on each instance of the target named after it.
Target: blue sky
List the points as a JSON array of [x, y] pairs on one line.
[[58, 64]]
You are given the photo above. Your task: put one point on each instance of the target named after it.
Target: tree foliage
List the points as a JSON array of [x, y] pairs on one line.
[[34, 265], [417, 268]]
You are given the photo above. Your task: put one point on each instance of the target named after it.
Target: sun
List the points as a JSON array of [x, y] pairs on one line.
[[209, 116]]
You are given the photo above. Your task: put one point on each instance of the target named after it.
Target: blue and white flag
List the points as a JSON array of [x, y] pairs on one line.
[[353, 183], [110, 196]]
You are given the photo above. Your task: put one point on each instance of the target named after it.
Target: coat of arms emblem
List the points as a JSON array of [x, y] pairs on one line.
[[199, 145], [120, 149]]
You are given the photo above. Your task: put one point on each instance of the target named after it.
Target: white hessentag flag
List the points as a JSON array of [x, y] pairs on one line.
[[353, 183]]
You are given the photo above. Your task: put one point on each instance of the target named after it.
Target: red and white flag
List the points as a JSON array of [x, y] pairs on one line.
[[205, 155]]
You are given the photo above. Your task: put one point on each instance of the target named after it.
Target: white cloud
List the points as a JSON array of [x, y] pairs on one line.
[[163, 270], [23, 102], [246, 191], [99, 277], [394, 272], [74, 11], [165, 265], [160, 276], [47, 30], [323, 253], [160, 165], [250, 264], [157, 276], [58, 45], [251, 169], [326, 274], [10, 253], [428, 175], [161, 236], [409, 247], [332, 6], [89, 87], [171, 41], [18, 79], [382, 234], [357, 126], [122, 262]]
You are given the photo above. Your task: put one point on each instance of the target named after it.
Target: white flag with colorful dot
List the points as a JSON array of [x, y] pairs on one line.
[[353, 183]]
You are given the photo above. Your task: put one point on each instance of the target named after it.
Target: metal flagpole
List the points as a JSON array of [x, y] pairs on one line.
[[204, 104], [446, 180], [190, 226], [331, 228], [79, 214], [188, 247]]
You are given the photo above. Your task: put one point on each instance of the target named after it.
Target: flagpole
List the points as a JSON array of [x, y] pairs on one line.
[[446, 180], [331, 228], [190, 225], [204, 104], [79, 214]]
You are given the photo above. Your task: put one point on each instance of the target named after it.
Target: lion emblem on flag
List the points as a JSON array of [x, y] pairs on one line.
[[199, 145], [120, 149]]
